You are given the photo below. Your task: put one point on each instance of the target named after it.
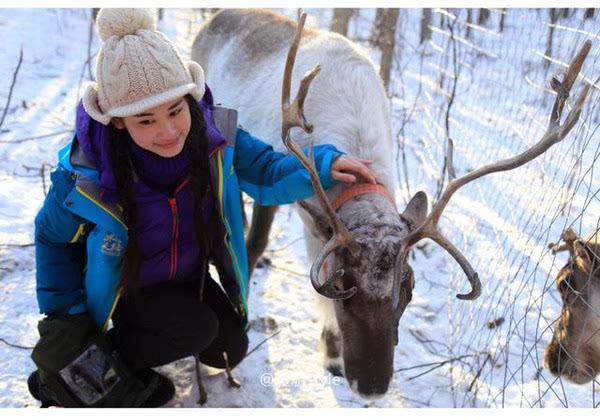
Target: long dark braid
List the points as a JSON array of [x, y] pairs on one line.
[[197, 147], [123, 172], [199, 170]]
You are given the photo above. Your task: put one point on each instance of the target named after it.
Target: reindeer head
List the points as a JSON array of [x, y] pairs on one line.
[[366, 273], [575, 347], [370, 289]]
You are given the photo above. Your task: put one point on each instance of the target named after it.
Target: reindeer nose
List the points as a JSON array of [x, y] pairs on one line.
[[373, 388], [555, 358]]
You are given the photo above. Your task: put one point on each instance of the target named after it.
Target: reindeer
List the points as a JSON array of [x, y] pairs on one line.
[[356, 238], [575, 347]]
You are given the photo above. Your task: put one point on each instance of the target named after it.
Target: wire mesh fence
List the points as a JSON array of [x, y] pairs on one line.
[[484, 83]]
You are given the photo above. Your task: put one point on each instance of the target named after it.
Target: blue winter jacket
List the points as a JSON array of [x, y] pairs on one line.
[[80, 239]]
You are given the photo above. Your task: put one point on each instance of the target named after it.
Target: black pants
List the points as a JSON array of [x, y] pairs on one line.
[[168, 322]]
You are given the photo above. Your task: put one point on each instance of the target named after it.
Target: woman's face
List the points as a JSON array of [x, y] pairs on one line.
[[161, 130]]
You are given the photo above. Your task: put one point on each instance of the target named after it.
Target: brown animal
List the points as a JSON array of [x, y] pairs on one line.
[[359, 246], [574, 351]]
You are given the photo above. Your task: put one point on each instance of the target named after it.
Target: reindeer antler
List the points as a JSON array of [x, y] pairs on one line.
[[293, 116], [554, 134]]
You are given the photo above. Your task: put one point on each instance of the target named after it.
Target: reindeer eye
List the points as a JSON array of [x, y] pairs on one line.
[[563, 287], [344, 280], [568, 287]]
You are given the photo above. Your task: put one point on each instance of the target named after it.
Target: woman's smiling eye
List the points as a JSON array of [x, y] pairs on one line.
[[172, 113]]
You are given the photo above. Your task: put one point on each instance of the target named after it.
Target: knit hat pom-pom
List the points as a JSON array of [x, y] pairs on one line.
[[121, 22]]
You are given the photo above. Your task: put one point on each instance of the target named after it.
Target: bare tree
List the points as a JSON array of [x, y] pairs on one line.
[[90, 37], [484, 15], [384, 37], [341, 20], [12, 86], [589, 13], [375, 32], [448, 167], [161, 14], [469, 22], [554, 15], [503, 13], [425, 25], [207, 12]]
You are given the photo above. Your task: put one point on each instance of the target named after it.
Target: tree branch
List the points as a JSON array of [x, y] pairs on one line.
[[12, 86], [42, 136], [16, 245], [43, 176], [435, 365], [261, 343], [488, 358], [17, 346]]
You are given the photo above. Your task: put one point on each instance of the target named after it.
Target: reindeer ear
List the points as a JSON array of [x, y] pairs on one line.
[[321, 227], [416, 210], [582, 257], [568, 237], [593, 244]]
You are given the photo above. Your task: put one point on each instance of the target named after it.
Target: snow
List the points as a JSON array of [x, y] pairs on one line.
[[502, 223]]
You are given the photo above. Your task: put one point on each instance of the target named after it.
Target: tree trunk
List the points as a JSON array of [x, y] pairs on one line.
[[89, 46], [341, 20], [502, 17], [387, 37], [484, 15], [469, 22], [425, 25], [554, 14], [161, 13], [589, 13], [375, 37]]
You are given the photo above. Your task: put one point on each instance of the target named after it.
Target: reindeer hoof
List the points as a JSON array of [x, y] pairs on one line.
[[264, 262], [203, 398], [335, 370], [233, 383]]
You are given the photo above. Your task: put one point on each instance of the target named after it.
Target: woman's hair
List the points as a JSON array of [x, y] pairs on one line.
[[197, 147]]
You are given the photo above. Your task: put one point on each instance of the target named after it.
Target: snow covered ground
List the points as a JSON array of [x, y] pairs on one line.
[[502, 223]]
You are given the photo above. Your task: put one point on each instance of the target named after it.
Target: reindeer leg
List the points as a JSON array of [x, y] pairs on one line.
[[244, 217], [233, 383], [258, 236], [201, 390], [331, 344]]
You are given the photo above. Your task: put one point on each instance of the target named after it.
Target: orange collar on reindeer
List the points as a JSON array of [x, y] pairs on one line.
[[361, 189]]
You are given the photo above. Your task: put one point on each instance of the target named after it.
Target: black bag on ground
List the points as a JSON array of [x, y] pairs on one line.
[[79, 368]]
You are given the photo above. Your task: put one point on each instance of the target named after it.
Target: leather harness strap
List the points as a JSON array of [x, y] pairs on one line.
[[360, 189]]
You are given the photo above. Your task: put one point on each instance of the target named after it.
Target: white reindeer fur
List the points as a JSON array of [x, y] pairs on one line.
[[346, 103]]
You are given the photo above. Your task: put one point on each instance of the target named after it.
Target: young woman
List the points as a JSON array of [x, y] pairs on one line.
[[144, 196]]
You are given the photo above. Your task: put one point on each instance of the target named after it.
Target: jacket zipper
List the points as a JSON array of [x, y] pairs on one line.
[[175, 235], [175, 229], [118, 296], [232, 255]]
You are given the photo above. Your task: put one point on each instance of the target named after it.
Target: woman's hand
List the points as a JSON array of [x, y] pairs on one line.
[[348, 169]]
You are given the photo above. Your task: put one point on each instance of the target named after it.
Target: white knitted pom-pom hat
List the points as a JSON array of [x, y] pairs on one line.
[[138, 67]]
